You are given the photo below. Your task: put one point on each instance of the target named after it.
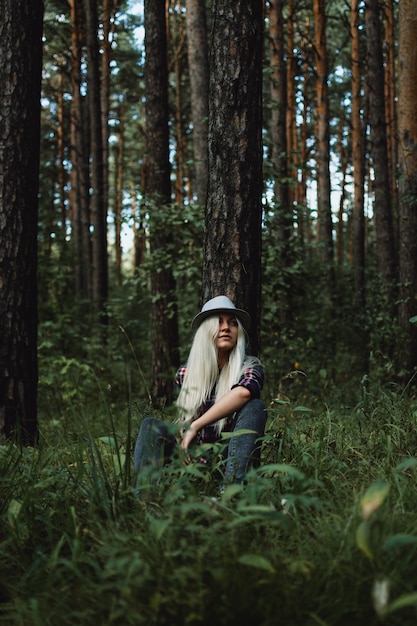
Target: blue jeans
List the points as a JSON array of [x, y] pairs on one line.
[[156, 442]]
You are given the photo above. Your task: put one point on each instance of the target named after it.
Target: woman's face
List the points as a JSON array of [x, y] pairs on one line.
[[227, 335]]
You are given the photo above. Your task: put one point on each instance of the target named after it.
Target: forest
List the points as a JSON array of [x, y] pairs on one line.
[[157, 153]]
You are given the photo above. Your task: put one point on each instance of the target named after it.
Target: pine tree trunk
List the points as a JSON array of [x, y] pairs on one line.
[[105, 91], [325, 227], [358, 161], [390, 101], [158, 192], [304, 231], [98, 207], [291, 107], [118, 187], [196, 24], [20, 80], [79, 205], [177, 42], [407, 127], [382, 205], [282, 225], [232, 248]]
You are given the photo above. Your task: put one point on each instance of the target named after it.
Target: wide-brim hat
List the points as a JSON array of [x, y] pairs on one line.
[[217, 305]]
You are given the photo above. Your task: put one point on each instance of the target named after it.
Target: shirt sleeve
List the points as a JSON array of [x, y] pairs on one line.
[[253, 380]]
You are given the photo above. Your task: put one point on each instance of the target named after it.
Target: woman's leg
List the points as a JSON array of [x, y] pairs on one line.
[[244, 450], [154, 445]]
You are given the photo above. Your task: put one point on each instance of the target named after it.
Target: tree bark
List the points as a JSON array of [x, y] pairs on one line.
[[198, 65], [382, 205], [177, 37], [98, 207], [79, 204], [158, 192], [20, 80], [390, 100], [407, 126], [358, 159], [325, 226], [282, 224], [232, 246]]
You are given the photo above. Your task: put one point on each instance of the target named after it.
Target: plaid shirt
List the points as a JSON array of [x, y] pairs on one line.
[[252, 379]]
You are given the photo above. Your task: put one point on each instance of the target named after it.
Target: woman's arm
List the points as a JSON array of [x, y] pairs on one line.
[[231, 402]]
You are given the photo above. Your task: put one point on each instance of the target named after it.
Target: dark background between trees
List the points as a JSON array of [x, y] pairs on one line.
[[264, 149]]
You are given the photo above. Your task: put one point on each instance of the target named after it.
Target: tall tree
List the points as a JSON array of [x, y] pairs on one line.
[[278, 122], [79, 150], [382, 205], [198, 65], [407, 126], [20, 79], [390, 97], [358, 158], [158, 192], [325, 227], [97, 170], [232, 246], [283, 219], [177, 39]]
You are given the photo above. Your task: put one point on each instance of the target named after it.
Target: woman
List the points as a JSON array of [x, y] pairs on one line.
[[220, 392]]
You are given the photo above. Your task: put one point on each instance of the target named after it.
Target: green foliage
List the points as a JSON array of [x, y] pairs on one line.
[[324, 532]]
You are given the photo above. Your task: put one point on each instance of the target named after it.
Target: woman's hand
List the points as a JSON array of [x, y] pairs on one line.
[[188, 437]]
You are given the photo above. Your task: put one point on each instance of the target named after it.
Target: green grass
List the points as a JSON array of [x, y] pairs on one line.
[[325, 532]]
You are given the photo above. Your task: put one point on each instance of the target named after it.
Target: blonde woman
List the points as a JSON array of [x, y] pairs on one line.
[[220, 392]]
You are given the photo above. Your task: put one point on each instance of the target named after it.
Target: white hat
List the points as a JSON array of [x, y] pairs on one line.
[[220, 304]]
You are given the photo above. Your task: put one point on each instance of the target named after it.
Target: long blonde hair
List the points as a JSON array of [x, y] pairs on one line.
[[202, 374]]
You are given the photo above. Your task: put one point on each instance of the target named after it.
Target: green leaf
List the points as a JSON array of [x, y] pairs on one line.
[[408, 599], [281, 468], [406, 464], [401, 539], [363, 539], [13, 511], [231, 491], [413, 319], [257, 561], [158, 527], [373, 498], [237, 433], [109, 441]]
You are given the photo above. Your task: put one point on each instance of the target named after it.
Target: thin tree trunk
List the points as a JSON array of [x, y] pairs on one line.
[[282, 225], [118, 201], [109, 7], [196, 24], [325, 226], [62, 179], [79, 207], [382, 205], [304, 232], [390, 100], [343, 153], [291, 107], [99, 212], [178, 40], [407, 126], [358, 161]]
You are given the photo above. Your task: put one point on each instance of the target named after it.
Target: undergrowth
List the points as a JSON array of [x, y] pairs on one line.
[[324, 532]]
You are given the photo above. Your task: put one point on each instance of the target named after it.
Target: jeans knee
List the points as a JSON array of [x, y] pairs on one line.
[[253, 413]]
